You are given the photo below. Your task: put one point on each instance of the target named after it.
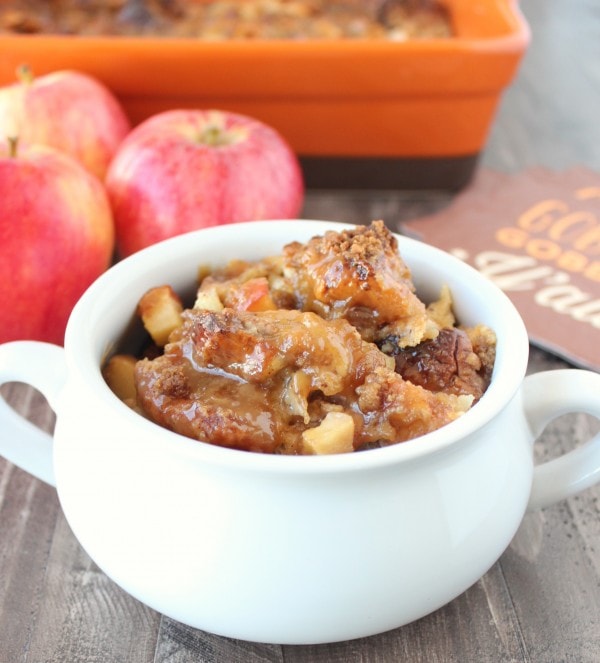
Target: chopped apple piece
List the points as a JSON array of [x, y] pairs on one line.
[[160, 310], [252, 295], [208, 299], [334, 435], [119, 375]]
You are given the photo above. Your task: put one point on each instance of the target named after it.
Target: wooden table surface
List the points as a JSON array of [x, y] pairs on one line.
[[539, 603]]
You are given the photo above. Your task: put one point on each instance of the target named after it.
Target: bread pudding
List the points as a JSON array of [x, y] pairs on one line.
[[324, 348]]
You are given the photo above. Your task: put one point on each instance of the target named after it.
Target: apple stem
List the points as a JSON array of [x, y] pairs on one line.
[[213, 136], [13, 143], [25, 74]]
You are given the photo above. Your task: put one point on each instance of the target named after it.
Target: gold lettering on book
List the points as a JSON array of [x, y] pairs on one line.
[[551, 232], [588, 192], [540, 216]]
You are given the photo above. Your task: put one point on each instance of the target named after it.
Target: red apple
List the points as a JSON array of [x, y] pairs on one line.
[[56, 237], [68, 110], [186, 169]]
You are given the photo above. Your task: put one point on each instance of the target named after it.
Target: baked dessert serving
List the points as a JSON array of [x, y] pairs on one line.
[[324, 348]]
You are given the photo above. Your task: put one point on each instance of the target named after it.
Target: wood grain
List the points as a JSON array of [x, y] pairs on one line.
[[540, 603]]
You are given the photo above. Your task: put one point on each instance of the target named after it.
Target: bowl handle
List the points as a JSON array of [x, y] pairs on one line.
[[43, 366], [548, 395]]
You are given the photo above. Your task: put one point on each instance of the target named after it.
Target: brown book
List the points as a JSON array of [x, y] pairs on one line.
[[537, 236]]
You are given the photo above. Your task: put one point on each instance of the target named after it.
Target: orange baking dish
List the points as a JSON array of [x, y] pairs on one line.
[[419, 104]]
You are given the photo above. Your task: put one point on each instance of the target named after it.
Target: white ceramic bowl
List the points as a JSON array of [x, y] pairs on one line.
[[291, 549]]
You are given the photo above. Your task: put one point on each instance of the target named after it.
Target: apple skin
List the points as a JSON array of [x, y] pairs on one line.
[[67, 110], [56, 237], [181, 170]]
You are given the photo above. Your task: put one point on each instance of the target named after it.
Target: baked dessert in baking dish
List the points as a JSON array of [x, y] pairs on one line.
[[217, 20]]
